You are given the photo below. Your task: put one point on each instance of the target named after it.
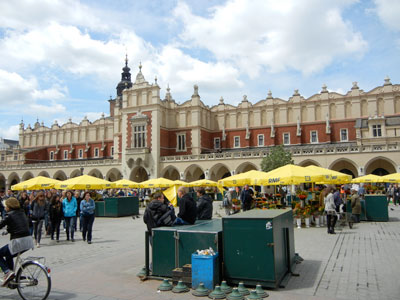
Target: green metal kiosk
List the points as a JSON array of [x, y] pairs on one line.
[[117, 207], [373, 208], [173, 246], [258, 247]]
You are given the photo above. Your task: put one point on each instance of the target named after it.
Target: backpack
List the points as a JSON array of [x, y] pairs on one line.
[[167, 219]]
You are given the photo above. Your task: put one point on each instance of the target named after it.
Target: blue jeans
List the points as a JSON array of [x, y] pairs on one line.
[[37, 230], [87, 225], [6, 259], [69, 226], [179, 221]]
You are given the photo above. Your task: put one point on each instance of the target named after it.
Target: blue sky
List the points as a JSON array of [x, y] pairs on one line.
[[63, 58]]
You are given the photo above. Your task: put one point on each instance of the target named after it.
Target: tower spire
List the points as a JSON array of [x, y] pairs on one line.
[[125, 78]]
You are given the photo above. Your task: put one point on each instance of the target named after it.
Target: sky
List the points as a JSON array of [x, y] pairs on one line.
[[62, 59]]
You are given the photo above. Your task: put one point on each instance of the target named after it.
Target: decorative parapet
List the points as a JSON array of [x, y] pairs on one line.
[[307, 150]]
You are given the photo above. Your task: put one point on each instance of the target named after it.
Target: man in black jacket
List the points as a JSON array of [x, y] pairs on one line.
[[187, 208], [158, 213], [204, 205], [247, 197]]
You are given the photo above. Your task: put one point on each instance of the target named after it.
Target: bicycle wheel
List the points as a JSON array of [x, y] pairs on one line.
[[33, 281]]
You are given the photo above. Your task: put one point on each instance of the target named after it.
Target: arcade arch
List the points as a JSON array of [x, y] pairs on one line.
[[113, 175], [218, 171], [309, 162], [44, 174], [380, 166], [60, 175], [27, 175], [345, 166], [13, 178], [138, 174], [75, 173], [96, 173], [194, 172], [244, 167], [170, 172], [2, 182]]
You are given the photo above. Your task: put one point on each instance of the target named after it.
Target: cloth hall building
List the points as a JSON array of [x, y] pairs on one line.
[[146, 136]]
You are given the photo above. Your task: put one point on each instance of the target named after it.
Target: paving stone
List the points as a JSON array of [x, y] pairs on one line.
[[362, 263]]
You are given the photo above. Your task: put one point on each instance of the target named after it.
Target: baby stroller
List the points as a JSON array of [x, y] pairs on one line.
[[344, 218]]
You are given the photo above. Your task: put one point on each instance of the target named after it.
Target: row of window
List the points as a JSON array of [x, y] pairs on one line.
[[3, 156], [286, 139], [80, 153], [139, 138]]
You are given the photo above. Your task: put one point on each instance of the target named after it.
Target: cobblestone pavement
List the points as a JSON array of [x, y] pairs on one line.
[[362, 263]]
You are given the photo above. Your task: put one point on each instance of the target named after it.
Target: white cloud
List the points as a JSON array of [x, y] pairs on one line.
[[23, 14], [388, 11], [305, 36], [71, 50], [22, 95], [182, 71], [10, 132], [43, 110]]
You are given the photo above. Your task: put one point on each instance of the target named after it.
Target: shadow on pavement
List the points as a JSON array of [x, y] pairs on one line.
[[59, 295], [308, 271]]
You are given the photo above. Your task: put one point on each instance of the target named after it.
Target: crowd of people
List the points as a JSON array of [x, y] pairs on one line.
[[47, 211], [160, 212]]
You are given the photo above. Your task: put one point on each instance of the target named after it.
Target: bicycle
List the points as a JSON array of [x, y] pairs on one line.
[[32, 279]]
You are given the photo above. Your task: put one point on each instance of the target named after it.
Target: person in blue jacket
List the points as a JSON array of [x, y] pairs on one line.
[[70, 206], [87, 213]]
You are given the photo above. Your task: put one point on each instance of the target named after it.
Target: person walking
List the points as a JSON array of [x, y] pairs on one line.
[[47, 225], [87, 208], [330, 209], [355, 207], [23, 198], [56, 216], [39, 210], [69, 211], [396, 194], [247, 197], [78, 211], [227, 201], [2, 208]]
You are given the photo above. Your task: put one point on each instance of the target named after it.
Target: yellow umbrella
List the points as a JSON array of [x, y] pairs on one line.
[[252, 177], [84, 182], [179, 182], [202, 183], [331, 176], [170, 193], [125, 184], [157, 183], [37, 183], [368, 178], [205, 183], [291, 174], [395, 177]]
